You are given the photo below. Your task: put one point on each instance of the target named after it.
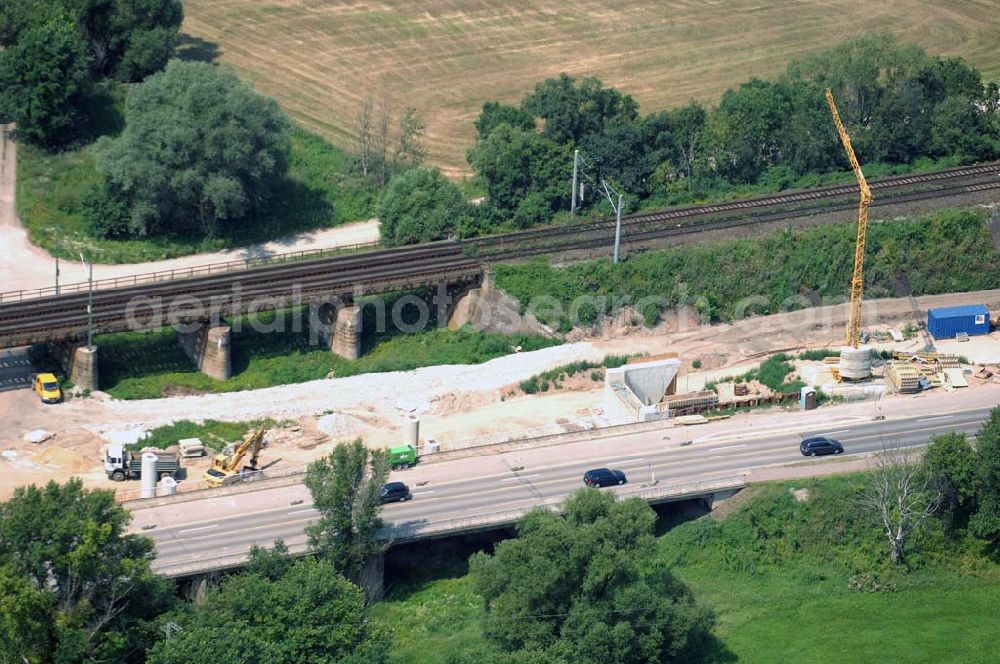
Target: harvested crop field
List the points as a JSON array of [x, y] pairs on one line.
[[320, 58]]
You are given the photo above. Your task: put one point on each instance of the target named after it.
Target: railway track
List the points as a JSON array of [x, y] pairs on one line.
[[646, 227], [64, 316], [232, 293]]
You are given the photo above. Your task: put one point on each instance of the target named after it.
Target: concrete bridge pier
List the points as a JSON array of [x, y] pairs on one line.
[[79, 361], [209, 347], [337, 327], [346, 340]]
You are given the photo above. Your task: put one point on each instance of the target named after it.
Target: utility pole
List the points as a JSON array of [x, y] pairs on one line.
[[618, 216], [618, 227], [90, 301], [572, 202], [57, 259]]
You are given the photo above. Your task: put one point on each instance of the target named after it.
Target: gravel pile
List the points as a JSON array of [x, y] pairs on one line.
[[381, 390]]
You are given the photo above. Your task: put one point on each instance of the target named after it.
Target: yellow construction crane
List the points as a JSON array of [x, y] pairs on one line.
[[227, 468], [857, 279]]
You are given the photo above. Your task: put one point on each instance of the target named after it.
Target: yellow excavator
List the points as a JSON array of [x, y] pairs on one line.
[[229, 468]]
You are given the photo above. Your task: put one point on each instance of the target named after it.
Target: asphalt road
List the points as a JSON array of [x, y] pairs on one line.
[[227, 535], [15, 369]]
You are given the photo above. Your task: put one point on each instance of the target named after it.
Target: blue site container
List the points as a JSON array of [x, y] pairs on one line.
[[946, 322]]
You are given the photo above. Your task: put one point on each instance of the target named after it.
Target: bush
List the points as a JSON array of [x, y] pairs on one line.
[[818, 354], [696, 363], [213, 433], [540, 382], [420, 205], [947, 251]]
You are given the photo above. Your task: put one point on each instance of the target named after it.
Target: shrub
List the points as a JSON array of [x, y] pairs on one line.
[[420, 205]]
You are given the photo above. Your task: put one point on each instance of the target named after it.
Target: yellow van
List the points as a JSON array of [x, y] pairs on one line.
[[47, 388]]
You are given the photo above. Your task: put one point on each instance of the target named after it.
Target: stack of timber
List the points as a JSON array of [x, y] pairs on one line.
[[682, 401], [904, 376]]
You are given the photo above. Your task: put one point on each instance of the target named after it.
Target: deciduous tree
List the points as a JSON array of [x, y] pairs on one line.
[[200, 148], [900, 495], [43, 76], [951, 464], [496, 113], [306, 612], [73, 586], [525, 173], [585, 587], [985, 523], [419, 206], [345, 489], [572, 111]]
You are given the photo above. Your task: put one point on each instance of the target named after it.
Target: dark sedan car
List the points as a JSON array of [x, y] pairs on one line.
[[604, 477], [820, 445], [394, 492]]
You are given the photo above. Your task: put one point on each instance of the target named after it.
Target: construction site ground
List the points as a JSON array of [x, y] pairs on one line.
[[458, 405]]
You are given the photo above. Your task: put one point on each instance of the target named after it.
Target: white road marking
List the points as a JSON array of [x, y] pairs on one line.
[[191, 530], [303, 511], [520, 477], [932, 419], [727, 447], [423, 493], [834, 433], [622, 463]]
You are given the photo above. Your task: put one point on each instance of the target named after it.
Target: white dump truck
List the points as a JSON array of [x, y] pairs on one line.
[[121, 464]]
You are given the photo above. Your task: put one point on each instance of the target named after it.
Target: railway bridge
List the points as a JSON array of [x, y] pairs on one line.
[[198, 301], [198, 306]]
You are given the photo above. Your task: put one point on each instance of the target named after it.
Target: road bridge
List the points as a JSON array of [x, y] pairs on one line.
[[466, 495]]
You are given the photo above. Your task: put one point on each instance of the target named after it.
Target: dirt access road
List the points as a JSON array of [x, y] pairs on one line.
[[23, 266]]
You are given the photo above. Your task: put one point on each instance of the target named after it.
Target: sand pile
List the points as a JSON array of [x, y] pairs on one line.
[[64, 459], [460, 402], [338, 425]]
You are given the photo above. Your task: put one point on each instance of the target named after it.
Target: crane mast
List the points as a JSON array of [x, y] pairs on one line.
[[857, 278]]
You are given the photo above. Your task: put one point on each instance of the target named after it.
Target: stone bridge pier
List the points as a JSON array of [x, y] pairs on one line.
[[209, 346], [336, 325], [79, 361]]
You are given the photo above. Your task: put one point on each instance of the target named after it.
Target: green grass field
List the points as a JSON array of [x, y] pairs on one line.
[[151, 365], [445, 58], [776, 571], [213, 433]]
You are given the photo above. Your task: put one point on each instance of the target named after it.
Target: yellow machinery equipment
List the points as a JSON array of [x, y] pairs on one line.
[[228, 468], [857, 279]]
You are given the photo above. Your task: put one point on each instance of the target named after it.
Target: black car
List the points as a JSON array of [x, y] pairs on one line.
[[819, 445], [604, 477], [394, 492]]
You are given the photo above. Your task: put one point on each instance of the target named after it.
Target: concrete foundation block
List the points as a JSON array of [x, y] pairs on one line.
[[209, 348]]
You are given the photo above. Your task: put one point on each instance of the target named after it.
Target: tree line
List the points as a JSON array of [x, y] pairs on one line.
[[53, 53], [899, 103]]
